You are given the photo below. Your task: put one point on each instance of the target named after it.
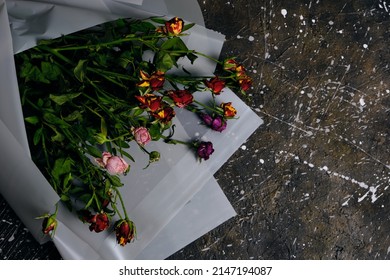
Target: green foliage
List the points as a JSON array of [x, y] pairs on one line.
[[79, 98]]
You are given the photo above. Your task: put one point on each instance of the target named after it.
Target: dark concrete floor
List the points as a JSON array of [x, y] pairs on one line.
[[313, 181]]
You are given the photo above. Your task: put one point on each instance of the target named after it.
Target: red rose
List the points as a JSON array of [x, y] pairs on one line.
[[98, 222], [228, 110], [125, 231], [230, 65], [216, 85], [151, 101], [245, 82], [181, 97], [155, 81], [165, 114], [240, 71]]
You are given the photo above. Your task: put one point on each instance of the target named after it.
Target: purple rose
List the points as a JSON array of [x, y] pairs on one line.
[[204, 150], [217, 123]]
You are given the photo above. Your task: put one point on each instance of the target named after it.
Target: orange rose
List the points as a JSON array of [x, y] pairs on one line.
[[228, 110]]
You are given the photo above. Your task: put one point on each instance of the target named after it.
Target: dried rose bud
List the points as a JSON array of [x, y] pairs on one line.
[[165, 114], [228, 110], [204, 150], [150, 101], [49, 224], [217, 123], [141, 135], [174, 26], [182, 98], [154, 81], [99, 222], [230, 64], [216, 85], [154, 156], [125, 231], [245, 82]]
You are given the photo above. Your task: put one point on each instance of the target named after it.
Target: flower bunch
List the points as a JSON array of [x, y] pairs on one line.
[[87, 95]]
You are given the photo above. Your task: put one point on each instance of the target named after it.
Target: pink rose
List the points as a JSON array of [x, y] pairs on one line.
[[113, 164], [142, 135]]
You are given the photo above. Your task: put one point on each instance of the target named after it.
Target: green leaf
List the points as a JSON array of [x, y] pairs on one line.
[[37, 136], [58, 137], [85, 197], [65, 197], [33, 73], [61, 166], [115, 181], [76, 115], [103, 127], [188, 26], [53, 119], [164, 61], [155, 131], [93, 151], [142, 26], [158, 20], [63, 98], [126, 58], [174, 44], [122, 144], [32, 119], [126, 154], [79, 70], [50, 70]]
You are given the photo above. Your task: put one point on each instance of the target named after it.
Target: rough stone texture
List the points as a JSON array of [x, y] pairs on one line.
[[312, 182]]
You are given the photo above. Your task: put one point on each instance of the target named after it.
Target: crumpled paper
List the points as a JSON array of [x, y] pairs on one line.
[[172, 202]]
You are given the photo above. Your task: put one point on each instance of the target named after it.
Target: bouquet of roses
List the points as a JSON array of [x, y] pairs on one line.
[[87, 95]]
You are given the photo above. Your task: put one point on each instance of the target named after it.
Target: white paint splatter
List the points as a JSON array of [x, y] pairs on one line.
[[283, 12], [251, 38]]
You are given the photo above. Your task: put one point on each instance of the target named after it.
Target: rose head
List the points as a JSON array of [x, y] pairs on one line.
[[174, 26], [217, 123], [228, 110], [207, 119], [181, 97], [150, 101], [98, 222], [245, 82], [157, 80], [204, 150], [125, 231], [165, 114], [240, 71], [141, 135], [49, 224], [216, 85], [230, 65], [113, 164], [154, 81]]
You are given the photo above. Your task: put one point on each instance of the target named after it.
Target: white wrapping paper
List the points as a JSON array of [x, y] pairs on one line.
[[172, 202]]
